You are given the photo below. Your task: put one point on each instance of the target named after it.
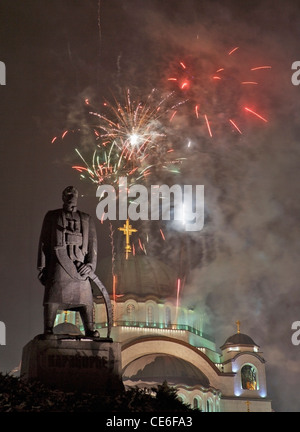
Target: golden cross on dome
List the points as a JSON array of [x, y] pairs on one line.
[[127, 230], [238, 325], [66, 312]]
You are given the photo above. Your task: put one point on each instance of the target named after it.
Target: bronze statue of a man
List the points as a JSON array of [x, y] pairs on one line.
[[67, 255]]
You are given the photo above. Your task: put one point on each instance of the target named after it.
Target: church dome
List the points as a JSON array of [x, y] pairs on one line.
[[239, 339], [140, 275], [157, 368], [67, 328]]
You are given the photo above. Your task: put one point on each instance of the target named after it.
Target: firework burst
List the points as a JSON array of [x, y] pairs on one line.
[[130, 140], [217, 95], [134, 127]]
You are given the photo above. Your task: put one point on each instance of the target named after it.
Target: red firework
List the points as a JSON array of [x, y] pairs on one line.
[[218, 95]]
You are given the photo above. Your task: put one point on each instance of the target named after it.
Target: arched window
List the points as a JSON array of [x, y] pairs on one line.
[[130, 312], [168, 316], [208, 407], [196, 403], [150, 315], [181, 397], [249, 377]]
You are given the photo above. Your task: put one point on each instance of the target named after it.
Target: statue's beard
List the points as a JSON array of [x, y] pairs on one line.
[[70, 207]]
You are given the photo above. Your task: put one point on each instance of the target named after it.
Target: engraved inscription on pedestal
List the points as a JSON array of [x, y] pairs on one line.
[[70, 364]]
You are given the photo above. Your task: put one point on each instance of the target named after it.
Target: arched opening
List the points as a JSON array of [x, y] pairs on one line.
[[130, 311], [196, 403], [168, 316], [150, 315], [181, 397], [208, 405], [249, 377]]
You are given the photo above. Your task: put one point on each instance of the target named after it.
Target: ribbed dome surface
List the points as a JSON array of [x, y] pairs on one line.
[[239, 339], [140, 275], [67, 328], [161, 367]]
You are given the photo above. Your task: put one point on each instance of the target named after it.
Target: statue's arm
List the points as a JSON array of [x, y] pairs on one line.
[[91, 257], [43, 243]]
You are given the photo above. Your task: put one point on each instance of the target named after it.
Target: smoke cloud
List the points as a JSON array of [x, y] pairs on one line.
[[244, 263]]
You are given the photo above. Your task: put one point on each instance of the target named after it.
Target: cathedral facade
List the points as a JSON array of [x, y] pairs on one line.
[[162, 340]]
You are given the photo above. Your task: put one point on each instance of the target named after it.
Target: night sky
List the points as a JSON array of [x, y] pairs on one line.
[[245, 263]]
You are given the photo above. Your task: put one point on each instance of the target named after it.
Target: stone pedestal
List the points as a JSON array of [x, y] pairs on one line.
[[74, 363]]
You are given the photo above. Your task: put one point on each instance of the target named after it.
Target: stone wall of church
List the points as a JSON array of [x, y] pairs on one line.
[[244, 405], [205, 401], [138, 318]]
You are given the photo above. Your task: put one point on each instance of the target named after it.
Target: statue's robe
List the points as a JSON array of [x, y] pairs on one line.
[[66, 238]]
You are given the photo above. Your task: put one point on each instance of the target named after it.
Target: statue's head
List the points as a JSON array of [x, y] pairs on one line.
[[70, 197]]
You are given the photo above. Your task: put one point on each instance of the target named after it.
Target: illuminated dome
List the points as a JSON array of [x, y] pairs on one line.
[[67, 328], [239, 339], [140, 275], [157, 368]]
